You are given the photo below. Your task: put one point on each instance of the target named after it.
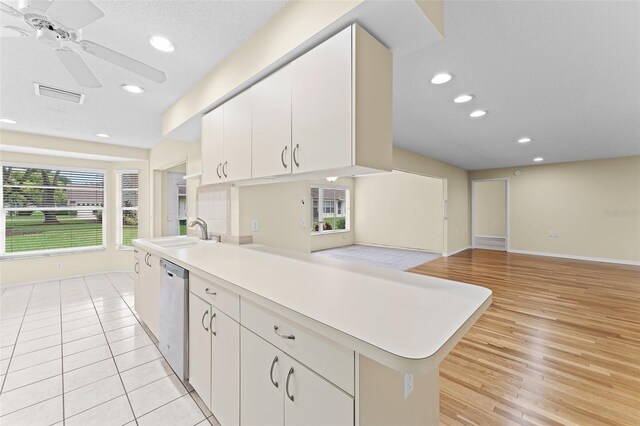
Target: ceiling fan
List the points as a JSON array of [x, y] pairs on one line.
[[58, 24]]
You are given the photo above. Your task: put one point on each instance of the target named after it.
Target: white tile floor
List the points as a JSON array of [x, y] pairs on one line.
[[385, 257], [73, 352]]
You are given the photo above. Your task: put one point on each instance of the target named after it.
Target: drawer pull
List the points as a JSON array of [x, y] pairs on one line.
[[209, 292], [284, 336], [287, 385], [202, 320], [273, 364], [213, 316]]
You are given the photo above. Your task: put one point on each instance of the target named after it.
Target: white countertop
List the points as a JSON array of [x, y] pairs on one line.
[[403, 320]]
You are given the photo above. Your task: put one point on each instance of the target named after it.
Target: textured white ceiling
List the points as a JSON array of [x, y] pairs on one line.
[[204, 33], [565, 73]]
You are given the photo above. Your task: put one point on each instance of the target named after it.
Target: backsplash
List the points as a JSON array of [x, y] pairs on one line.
[[213, 205]]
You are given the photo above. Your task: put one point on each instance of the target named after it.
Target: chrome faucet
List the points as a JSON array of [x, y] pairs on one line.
[[203, 227]]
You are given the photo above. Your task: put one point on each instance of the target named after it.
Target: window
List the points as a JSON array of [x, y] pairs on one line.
[[51, 209], [127, 182], [329, 209]]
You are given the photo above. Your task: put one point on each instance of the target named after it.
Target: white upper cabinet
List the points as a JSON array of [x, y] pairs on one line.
[[271, 125], [237, 138], [321, 106], [327, 113], [212, 146]]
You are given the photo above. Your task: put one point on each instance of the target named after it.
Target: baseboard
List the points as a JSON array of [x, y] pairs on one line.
[[574, 257], [69, 277], [456, 251], [395, 247]]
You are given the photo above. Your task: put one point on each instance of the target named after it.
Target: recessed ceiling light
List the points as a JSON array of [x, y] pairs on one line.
[[538, 159], [161, 43], [462, 99], [7, 121], [477, 113], [441, 78], [132, 88], [524, 140], [102, 135]]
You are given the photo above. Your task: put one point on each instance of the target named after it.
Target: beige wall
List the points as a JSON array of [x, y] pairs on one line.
[[45, 267], [401, 210], [490, 208], [593, 205], [166, 155], [456, 190], [279, 211]]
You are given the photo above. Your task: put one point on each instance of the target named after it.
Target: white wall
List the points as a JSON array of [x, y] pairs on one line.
[[400, 209]]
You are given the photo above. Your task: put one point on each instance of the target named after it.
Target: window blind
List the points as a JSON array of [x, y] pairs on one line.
[[51, 209], [128, 215]]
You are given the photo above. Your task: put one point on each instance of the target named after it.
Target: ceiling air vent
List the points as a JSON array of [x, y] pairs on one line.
[[61, 94]]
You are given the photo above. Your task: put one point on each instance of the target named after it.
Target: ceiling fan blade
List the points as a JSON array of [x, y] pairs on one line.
[[74, 14], [78, 68], [11, 31], [10, 10], [123, 61]]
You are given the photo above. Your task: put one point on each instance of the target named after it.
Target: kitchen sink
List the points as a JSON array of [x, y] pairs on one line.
[[178, 242]]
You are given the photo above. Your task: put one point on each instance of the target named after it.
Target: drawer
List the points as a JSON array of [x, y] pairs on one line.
[[223, 299], [330, 360]]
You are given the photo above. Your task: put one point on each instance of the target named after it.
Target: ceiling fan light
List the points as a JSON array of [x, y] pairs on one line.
[[162, 44], [132, 88]]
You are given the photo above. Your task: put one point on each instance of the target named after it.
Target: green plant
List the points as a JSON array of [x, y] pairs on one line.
[[341, 223]]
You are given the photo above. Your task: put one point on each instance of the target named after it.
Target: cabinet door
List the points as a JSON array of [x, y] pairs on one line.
[[225, 368], [271, 125], [321, 106], [261, 366], [144, 293], [200, 347], [153, 291], [237, 138], [212, 146], [310, 399]]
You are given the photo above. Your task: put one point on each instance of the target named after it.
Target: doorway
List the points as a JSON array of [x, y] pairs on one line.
[[172, 202], [490, 214]]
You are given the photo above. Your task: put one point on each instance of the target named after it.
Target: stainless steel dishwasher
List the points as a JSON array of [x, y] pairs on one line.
[[174, 314]]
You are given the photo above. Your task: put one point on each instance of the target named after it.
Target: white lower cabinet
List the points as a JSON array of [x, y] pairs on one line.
[[200, 347], [214, 359], [147, 289], [277, 390]]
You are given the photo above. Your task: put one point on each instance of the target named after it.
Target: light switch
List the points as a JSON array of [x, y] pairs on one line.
[[254, 225], [303, 222]]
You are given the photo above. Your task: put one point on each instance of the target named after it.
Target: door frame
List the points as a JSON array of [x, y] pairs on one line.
[[507, 242]]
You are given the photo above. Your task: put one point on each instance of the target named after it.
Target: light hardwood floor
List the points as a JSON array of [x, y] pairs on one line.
[[559, 345]]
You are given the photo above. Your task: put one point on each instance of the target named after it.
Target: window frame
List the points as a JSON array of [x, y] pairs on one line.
[[58, 251], [120, 209], [321, 214]]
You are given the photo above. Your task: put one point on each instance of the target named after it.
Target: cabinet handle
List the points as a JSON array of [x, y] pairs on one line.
[[295, 155], [284, 336], [146, 259], [218, 171], [273, 364], [209, 292], [213, 316], [282, 156], [286, 388], [202, 320], [224, 169], [136, 268]]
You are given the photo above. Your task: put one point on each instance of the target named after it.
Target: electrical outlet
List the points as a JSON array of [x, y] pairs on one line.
[[254, 225], [303, 222], [408, 384], [556, 234], [58, 265]]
